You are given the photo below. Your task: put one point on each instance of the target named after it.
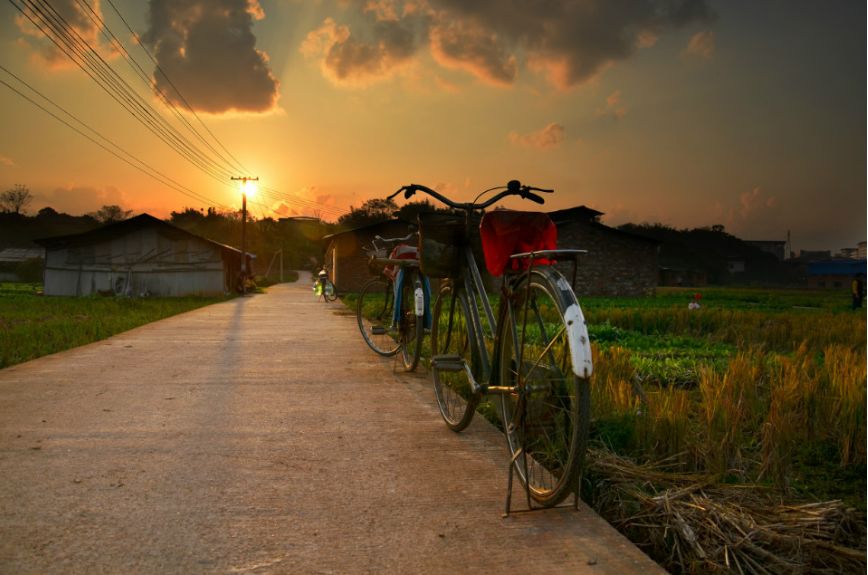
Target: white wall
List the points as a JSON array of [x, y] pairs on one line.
[[141, 262]]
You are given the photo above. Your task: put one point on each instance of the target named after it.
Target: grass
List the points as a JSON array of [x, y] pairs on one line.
[[32, 325], [752, 387], [758, 392]]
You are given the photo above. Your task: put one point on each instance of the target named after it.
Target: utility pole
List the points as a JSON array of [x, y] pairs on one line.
[[244, 188]]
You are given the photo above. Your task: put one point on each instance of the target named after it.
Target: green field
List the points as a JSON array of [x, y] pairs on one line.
[[32, 325], [747, 417], [719, 434]]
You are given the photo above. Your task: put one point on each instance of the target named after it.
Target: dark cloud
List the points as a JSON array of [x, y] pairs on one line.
[[208, 51], [66, 13], [465, 45], [573, 40], [346, 59], [569, 41]]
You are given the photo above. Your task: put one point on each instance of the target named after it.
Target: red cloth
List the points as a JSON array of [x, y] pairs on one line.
[[400, 252], [506, 232]]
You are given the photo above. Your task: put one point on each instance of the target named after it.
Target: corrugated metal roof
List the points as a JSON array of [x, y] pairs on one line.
[[837, 268], [20, 254]]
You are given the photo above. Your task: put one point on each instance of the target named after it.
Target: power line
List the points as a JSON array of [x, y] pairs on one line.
[[86, 57], [172, 84], [140, 72], [131, 160], [58, 30]]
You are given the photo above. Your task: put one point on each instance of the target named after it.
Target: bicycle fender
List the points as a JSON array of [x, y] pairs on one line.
[[580, 344]]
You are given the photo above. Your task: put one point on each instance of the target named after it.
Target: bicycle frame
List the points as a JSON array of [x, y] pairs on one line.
[[473, 286]]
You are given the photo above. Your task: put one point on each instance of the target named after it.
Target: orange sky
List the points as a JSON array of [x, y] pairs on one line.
[[690, 113]]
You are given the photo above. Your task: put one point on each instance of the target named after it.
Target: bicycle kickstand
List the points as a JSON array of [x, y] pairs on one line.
[[509, 482]]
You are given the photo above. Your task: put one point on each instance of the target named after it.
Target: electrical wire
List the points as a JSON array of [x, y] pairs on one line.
[[79, 51], [58, 30], [130, 159], [174, 87]]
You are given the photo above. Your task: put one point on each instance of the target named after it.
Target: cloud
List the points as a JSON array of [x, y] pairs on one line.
[[572, 41], [283, 209], [350, 61], [755, 201], [208, 51], [67, 14], [465, 45], [74, 199], [568, 41], [614, 107], [6, 161], [384, 10], [701, 46], [548, 137]]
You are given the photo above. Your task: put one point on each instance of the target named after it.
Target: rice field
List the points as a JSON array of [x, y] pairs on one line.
[[753, 405], [731, 415]]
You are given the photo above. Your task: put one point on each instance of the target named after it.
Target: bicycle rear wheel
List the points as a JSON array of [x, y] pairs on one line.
[[412, 328], [546, 417], [330, 293], [451, 335], [374, 316]]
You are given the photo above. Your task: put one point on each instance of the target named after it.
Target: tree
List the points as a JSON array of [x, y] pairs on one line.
[[372, 211], [16, 200], [110, 214]]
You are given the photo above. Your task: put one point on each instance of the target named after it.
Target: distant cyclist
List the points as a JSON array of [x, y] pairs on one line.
[[324, 287]]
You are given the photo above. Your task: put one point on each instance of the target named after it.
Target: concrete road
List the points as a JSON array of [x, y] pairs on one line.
[[260, 435]]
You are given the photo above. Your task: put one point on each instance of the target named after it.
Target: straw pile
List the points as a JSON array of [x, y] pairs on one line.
[[690, 524]]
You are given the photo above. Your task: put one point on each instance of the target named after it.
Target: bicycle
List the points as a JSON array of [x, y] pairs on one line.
[[540, 357], [323, 287], [394, 307]]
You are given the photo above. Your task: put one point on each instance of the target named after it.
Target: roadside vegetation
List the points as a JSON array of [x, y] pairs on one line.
[[32, 325], [730, 437]]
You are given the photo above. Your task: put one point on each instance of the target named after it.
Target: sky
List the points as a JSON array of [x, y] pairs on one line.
[[745, 113]]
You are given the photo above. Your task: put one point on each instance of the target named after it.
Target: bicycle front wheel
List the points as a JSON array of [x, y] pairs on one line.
[[451, 335], [546, 416], [412, 328], [374, 315]]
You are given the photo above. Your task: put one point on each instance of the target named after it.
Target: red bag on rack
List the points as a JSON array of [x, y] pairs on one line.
[[506, 232]]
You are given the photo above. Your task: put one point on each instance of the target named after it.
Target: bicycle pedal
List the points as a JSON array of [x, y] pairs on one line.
[[378, 330], [448, 363]]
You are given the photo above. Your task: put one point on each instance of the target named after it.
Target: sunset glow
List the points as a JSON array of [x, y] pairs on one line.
[[690, 113]]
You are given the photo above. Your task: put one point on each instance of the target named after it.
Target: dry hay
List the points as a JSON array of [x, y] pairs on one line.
[[691, 524]]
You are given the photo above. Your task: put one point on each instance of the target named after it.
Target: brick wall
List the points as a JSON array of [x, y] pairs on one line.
[[617, 263], [346, 259]]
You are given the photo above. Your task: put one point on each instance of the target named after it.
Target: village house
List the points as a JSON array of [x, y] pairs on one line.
[[141, 256], [11, 258], [617, 262], [346, 253], [834, 273]]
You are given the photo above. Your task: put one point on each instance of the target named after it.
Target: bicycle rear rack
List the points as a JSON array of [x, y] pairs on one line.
[[569, 255]]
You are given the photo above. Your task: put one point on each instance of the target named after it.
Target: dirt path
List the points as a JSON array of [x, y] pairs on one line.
[[261, 435]]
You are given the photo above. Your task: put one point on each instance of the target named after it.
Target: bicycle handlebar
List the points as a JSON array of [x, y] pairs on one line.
[[513, 188]]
